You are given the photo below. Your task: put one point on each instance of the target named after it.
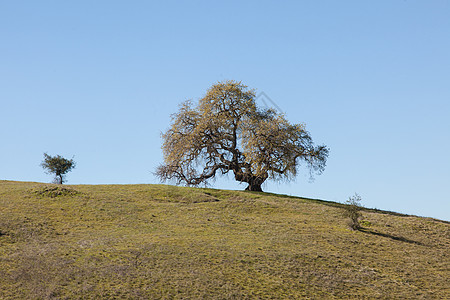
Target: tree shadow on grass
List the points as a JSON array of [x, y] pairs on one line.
[[392, 237]]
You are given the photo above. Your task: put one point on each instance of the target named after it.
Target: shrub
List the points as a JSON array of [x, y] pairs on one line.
[[353, 211]]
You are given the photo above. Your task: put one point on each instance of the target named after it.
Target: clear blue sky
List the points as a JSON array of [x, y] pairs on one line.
[[99, 80]]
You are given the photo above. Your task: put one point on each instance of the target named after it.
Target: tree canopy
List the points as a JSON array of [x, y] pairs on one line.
[[57, 165], [228, 132]]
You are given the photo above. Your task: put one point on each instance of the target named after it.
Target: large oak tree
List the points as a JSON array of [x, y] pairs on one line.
[[227, 132]]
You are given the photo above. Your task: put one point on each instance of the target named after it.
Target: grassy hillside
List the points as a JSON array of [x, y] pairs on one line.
[[156, 241]]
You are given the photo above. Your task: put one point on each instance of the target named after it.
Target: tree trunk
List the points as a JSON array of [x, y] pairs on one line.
[[254, 182], [254, 187]]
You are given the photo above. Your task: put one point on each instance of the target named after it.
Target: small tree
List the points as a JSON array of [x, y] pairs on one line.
[[227, 132], [57, 165], [353, 211]]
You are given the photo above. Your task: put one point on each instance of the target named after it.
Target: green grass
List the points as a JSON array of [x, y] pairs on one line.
[[165, 242]]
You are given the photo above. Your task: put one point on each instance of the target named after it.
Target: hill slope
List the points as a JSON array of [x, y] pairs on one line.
[[156, 241]]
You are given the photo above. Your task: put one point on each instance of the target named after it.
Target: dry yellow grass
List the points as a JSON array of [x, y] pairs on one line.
[[165, 242]]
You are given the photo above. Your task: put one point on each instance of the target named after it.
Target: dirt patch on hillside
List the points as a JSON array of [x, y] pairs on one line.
[[55, 191]]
